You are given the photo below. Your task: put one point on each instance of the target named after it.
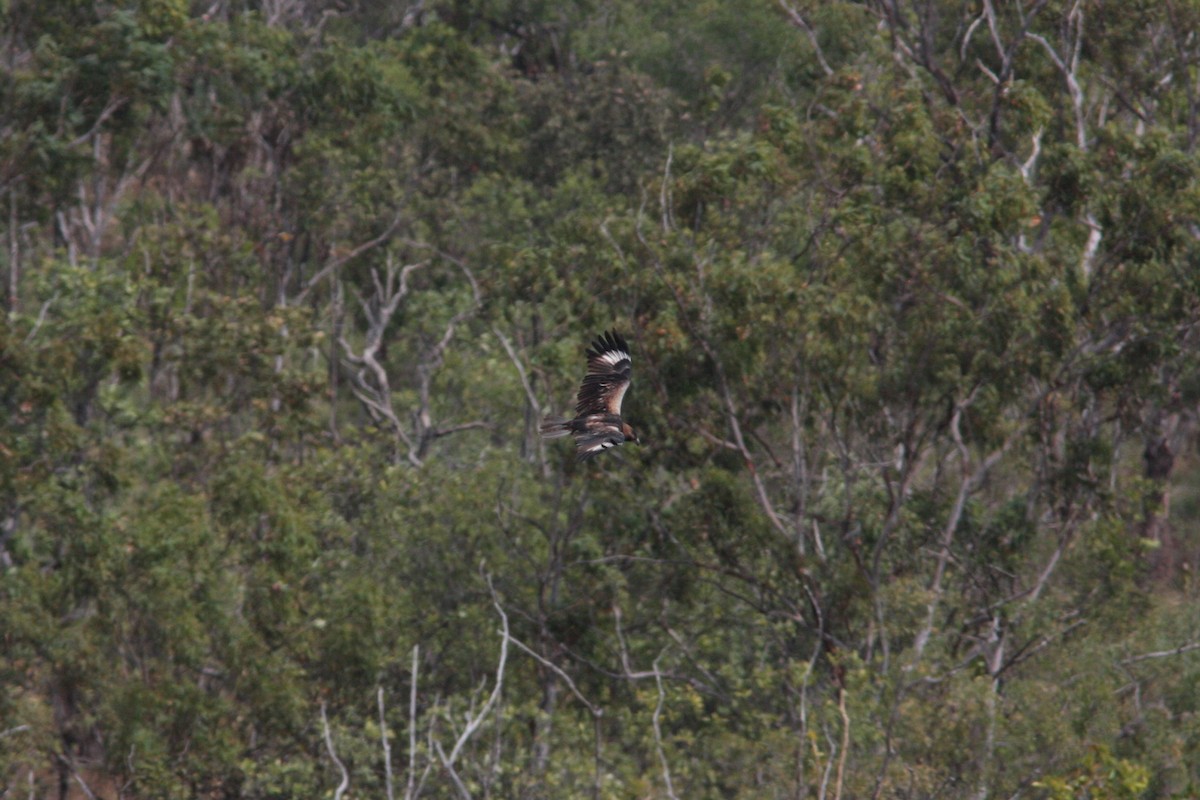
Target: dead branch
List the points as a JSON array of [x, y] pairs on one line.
[[370, 383], [595, 710], [413, 787], [386, 745], [474, 721], [335, 264], [433, 360], [1183, 648], [658, 737], [530, 397], [796, 19], [972, 476], [345, 782]]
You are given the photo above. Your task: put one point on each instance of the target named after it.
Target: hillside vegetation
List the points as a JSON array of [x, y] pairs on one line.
[[912, 291]]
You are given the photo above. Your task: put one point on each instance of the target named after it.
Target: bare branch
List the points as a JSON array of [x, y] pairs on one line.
[[336, 263], [12, 299], [449, 765], [437, 433], [664, 194], [474, 723], [993, 77], [845, 749], [625, 663], [520, 367], [726, 394], [1029, 163], [66, 761], [971, 478], [434, 358], [966, 40], [409, 794], [1048, 570], [796, 19], [370, 383], [833, 748], [1183, 648], [41, 318], [716, 440], [345, 782], [387, 747], [557, 670], [658, 739], [530, 395], [989, 11], [1095, 234], [13, 731], [114, 105], [612, 240], [1069, 76], [1030, 649]]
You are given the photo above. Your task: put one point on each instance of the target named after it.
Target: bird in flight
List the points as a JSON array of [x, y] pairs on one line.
[[597, 425]]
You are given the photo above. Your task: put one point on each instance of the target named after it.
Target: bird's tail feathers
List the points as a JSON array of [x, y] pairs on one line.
[[553, 428]]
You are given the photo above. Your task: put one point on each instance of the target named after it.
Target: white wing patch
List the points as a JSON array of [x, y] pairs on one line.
[[614, 357]]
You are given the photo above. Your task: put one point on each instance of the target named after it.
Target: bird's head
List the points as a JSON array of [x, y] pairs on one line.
[[629, 433]]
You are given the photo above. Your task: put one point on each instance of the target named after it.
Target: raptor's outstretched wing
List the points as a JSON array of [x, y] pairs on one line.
[[608, 376]]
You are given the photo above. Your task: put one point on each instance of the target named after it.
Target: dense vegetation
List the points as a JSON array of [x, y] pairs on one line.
[[913, 293]]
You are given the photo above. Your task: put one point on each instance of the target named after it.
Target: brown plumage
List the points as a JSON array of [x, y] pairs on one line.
[[597, 425]]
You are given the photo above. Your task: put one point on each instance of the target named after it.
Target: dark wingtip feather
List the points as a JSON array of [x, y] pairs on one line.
[[607, 342]]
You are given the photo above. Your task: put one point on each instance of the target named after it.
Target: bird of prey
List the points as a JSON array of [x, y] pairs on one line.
[[597, 425]]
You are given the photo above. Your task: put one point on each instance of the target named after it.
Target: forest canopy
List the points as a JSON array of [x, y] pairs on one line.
[[912, 293]]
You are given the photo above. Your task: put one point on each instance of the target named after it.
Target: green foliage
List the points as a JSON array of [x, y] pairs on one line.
[[1101, 777], [912, 296]]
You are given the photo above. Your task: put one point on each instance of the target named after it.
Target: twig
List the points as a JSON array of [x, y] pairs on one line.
[[966, 40], [557, 670], [1183, 648], [412, 729], [530, 396], [810, 668], [726, 394], [972, 476], [70, 765], [474, 722], [387, 748], [434, 359], [437, 433], [1026, 168], [462, 788], [13, 731], [625, 665], [376, 393], [658, 743], [841, 764], [41, 319], [1028, 650], [664, 195], [803, 25], [12, 301], [833, 748], [345, 783], [716, 440], [113, 106], [1073, 87], [336, 263]]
